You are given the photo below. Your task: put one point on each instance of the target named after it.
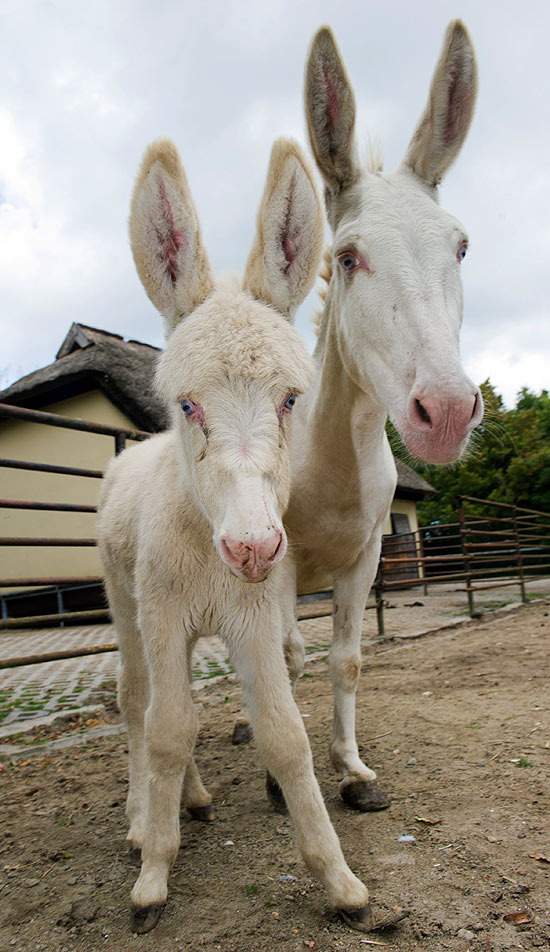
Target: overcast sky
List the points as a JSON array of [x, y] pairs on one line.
[[86, 85]]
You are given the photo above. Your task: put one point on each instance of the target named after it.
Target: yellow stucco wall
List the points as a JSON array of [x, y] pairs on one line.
[[407, 506], [47, 444]]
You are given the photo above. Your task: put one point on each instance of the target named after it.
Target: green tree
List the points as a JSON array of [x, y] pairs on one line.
[[508, 459], [528, 474]]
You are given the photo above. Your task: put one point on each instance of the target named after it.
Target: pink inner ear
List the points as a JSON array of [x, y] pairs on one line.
[[172, 239], [333, 106], [288, 240], [289, 248], [457, 100]]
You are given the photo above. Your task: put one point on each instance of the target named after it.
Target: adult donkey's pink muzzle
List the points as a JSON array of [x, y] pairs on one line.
[[252, 561], [439, 424]]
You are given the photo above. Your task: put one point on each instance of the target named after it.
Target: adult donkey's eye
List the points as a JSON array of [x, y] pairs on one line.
[[461, 253], [348, 261]]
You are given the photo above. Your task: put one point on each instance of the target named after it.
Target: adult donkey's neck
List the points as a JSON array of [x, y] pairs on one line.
[[342, 461]]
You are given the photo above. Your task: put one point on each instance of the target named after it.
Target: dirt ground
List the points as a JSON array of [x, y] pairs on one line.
[[457, 726]]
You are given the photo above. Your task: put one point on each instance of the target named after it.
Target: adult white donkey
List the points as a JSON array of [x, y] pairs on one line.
[[190, 518], [388, 344]]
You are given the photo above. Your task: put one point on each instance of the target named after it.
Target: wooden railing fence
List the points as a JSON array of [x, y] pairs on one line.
[[491, 545]]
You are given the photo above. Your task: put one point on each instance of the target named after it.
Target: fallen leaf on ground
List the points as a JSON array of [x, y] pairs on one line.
[[541, 858], [520, 917], [374, 942], [426, 819]]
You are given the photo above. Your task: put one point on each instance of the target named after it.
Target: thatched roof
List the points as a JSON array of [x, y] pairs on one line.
[[410, 483], [92, 359]]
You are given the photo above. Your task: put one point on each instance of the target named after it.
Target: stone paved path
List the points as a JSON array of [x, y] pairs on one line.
[[36, 690]]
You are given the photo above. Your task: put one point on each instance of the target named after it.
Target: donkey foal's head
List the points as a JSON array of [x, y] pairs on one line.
[[234, 365]]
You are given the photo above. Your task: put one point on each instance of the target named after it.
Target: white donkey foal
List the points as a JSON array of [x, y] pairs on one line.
[[388, 343], [190, 518]]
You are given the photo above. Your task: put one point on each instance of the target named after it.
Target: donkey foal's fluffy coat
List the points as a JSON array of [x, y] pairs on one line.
[[211, 491]]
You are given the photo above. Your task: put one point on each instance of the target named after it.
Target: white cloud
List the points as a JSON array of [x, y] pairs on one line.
[[509, 366], [87, 86]]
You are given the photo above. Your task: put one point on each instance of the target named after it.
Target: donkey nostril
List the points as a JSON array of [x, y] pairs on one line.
[[423, 413], [476, 402], [276, 552]]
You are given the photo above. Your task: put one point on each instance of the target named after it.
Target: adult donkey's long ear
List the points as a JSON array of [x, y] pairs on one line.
[[284, 259], [165, 236], [446, 119], [330, 113]]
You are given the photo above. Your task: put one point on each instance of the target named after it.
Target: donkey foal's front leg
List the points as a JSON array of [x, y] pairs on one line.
[[171, 725], [294, 652], [283, 744]]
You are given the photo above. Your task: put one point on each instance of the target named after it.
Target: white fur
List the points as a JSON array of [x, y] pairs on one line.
[[166, 504], [388, 338]]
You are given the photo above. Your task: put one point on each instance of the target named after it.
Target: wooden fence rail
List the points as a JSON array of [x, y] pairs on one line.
[[492, 545]]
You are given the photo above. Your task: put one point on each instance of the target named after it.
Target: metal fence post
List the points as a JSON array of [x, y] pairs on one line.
[[423, 566], [520, 560], [465, 556], [379, 595]]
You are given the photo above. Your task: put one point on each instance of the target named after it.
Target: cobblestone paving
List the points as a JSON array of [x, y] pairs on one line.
[[39, 689]]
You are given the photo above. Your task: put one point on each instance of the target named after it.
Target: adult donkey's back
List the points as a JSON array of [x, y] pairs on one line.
[[388, 344]]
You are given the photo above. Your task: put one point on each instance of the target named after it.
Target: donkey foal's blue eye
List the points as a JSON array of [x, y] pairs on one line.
[[187, 407], [291, 400]]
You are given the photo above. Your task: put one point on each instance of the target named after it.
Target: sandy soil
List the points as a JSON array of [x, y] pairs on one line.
[[457, 726]]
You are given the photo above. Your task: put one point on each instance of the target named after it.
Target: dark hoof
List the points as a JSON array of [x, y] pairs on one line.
[[135, 855], [143, 919], [364, 795], [275, 794], [364, 920], [205, 814], [242, 733]]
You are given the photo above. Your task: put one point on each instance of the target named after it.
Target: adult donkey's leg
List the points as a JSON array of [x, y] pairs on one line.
[[358, 787], [171, 725], [282, 741]]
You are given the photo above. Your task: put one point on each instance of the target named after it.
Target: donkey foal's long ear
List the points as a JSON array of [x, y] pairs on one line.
[[165, 236], [284, 259], [446, 119], [330, 113]]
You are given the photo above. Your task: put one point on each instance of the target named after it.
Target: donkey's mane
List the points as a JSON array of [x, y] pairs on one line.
[[325, 274], [375, 160], [375, 165]]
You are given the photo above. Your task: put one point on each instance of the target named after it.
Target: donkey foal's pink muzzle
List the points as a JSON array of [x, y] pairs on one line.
[[252, 561]]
